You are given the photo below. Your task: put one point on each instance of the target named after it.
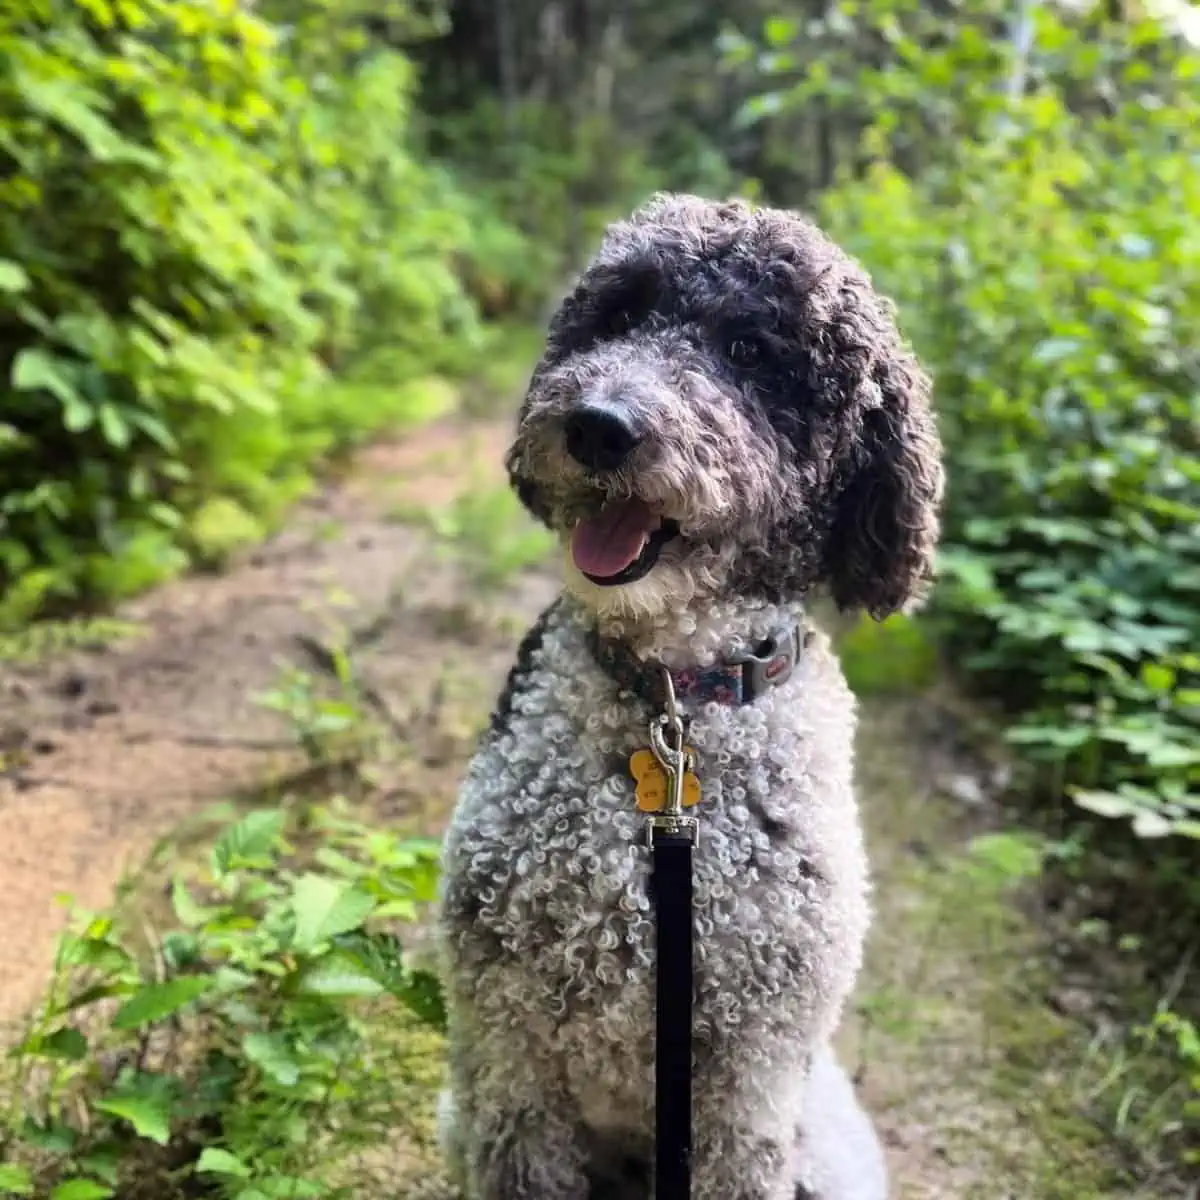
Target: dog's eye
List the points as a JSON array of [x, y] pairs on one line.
[[745, 352]]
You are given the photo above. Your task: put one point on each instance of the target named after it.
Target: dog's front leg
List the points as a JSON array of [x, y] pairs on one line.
[[514, 1136], [744, 1146], [525, 1151]]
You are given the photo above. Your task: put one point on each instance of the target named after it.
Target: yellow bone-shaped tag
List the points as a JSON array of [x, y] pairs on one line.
[[651, 780]]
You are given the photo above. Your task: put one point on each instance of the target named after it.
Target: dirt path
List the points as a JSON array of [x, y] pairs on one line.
[[973, 1078], [109, 748]]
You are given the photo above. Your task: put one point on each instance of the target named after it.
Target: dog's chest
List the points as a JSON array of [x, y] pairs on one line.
[[548, 852]]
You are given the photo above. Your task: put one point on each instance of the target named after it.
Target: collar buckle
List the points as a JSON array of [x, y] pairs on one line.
[[772, 663]]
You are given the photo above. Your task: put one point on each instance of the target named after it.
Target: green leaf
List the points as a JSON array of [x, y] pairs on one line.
[[249, 843], [17, 1181], [339, 975], [1157, 677], [150, 1116], [104, 1161], [190, 914], [1105, 804], [54, 1137], [780, 30], [325, 907], [271, 1053], [1150, 824], [80, 110], [66, 1043], [214, 1161], [158, 1000], [35, 369], [13, 278], [99, 952], [81, 1189], [231, 979], [114, 427]]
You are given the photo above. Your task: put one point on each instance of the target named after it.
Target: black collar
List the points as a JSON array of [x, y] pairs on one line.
[[734, 681]]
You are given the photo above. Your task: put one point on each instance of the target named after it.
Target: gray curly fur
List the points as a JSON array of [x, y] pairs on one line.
[[788, 432]]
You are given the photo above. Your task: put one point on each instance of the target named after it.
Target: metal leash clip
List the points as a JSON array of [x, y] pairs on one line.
[[666, 744]]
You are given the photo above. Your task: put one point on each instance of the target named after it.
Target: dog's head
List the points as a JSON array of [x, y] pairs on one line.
[[724, 407]]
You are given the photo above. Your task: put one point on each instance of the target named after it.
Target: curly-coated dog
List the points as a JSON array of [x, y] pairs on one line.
[[724, 421]]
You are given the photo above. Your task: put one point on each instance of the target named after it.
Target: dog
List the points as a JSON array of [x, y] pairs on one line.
[[724, 424]]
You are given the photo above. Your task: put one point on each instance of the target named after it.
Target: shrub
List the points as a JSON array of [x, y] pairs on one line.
[[1049, 272], [269, 1032], [193, 232]]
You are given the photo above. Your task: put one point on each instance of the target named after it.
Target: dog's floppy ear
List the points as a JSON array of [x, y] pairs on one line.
[[881, 545]]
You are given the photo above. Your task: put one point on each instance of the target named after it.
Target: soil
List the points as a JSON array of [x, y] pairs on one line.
[[108, 748]]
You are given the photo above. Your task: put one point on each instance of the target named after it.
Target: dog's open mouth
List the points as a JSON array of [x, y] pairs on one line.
[[621, 543]]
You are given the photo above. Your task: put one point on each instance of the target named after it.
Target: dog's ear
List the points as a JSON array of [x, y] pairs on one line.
[[881, 545]]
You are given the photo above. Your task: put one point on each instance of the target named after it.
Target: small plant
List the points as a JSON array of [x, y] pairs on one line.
[[251, 1047], [1179, 1105], [328, 728]]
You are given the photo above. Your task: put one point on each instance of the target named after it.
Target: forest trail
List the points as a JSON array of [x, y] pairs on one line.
[[973, 1076]]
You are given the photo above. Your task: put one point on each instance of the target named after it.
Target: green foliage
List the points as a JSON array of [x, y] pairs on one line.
[[880, 658], [47, 638], [545, 187], [1181, 1037], [259, 1042], [1047, 268], [200, 219]]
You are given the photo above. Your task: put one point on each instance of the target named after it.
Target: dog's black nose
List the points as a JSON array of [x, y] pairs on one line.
[[601, 435]]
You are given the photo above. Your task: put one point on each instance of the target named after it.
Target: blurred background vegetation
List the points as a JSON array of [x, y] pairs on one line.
[[238, 238]]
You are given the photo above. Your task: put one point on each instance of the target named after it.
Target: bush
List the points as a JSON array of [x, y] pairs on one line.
[[1048, 270], [546, 186], [193, 233], [269, 1033]]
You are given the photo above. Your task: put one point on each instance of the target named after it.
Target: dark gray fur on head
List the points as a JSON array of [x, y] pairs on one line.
[[790, 430]]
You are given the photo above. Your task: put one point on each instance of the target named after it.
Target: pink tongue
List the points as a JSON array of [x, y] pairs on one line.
[[606, 544]]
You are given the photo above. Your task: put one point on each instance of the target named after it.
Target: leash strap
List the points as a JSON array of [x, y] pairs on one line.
[[673, 1014], [672, 834]]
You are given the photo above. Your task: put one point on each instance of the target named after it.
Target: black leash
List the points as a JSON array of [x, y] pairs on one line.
[[672, 835], [673, 1014]]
